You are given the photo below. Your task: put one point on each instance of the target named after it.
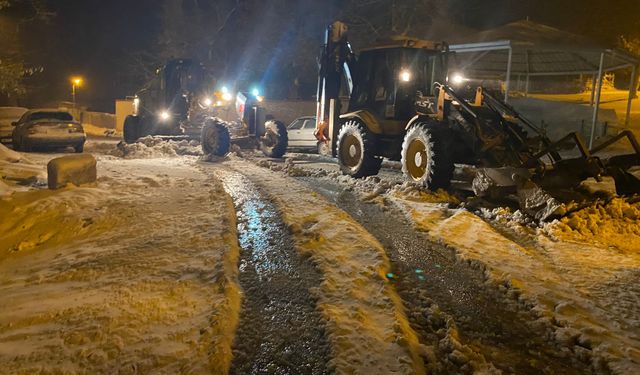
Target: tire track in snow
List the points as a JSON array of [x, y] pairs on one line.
[[436, 287], [280, 329]]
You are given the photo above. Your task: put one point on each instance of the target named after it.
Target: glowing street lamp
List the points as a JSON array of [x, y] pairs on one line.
[[75, 83]]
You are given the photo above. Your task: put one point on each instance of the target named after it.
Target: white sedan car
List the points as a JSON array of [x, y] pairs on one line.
[[300, 133]]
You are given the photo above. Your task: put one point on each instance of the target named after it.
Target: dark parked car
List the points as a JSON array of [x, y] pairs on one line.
[[8, 115], [47, 128]]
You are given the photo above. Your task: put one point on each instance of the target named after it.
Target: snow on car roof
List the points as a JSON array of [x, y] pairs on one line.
[[46, 110]]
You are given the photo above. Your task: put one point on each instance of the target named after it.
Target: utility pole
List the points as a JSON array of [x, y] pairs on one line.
[[75, 83]]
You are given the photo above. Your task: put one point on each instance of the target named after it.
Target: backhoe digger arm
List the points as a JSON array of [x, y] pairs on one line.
[[336, 60]]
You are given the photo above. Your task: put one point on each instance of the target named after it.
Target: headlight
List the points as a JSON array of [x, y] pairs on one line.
[[457, 79], [164, 115], [255, 92], [207, 102], [227, 96], [405, 75]]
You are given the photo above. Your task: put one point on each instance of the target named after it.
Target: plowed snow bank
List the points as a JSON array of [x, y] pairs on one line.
[[155, 147], [16, 169], [616, 223], [9, 155]]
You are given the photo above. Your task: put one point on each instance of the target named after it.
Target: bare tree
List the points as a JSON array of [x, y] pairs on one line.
[[14, 15]]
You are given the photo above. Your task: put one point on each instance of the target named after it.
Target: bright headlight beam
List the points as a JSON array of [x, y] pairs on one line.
[[164, 115], [227, 96], [255, 92], [405, 75], [457, 79], [208, 102]]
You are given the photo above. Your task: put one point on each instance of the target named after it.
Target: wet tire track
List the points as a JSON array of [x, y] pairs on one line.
[[429, 278], [280, 330]]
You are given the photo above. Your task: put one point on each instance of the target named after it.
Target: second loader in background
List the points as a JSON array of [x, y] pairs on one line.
[[179, 103]]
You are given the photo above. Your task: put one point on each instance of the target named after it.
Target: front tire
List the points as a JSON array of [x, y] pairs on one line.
[[131, 129], [275, 140], [215, 138], [426, 158], [355, 151], [323, 149]]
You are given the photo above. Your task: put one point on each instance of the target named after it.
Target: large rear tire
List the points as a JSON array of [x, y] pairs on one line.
[[131, 129], [215, 138], [275, 140], [355, 150], [426, 158]]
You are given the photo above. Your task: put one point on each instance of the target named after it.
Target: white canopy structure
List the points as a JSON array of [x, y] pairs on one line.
[[529, 49]]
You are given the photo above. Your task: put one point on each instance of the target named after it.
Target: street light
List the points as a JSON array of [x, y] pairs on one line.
[[75, 82]]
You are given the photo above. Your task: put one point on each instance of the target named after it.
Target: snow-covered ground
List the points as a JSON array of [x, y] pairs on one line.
[[579, 274], [587, 290], [137, 274]]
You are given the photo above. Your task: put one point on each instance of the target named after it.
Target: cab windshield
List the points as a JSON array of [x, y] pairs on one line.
[[388, 80]]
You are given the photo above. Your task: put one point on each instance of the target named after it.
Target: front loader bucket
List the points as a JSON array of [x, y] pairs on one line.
[[625, 169]]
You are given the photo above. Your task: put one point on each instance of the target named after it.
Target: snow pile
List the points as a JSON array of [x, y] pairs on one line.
[[288, 167], [614, 223], [98, 131], [368, 188], [18, 172], [8, 155], [155, 147], [5, 190], [43, 217], [417, 193]]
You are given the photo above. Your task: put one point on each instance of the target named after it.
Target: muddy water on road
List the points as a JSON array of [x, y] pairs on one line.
[[280, 330], [430, 280]]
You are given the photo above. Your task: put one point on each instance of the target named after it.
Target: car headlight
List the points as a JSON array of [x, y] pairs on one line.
[[207, 102], [164, 115], [227, 96]]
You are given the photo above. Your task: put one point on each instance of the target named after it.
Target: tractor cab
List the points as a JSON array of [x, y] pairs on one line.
[[390, 81], [169, 95], [178, 80]]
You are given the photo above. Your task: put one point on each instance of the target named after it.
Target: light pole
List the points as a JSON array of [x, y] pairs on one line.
[[75, 82]]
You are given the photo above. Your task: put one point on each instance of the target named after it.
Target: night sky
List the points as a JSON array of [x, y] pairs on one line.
[[98, 39]]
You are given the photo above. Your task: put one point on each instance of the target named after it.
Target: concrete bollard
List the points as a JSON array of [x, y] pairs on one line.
[[76, 169]]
